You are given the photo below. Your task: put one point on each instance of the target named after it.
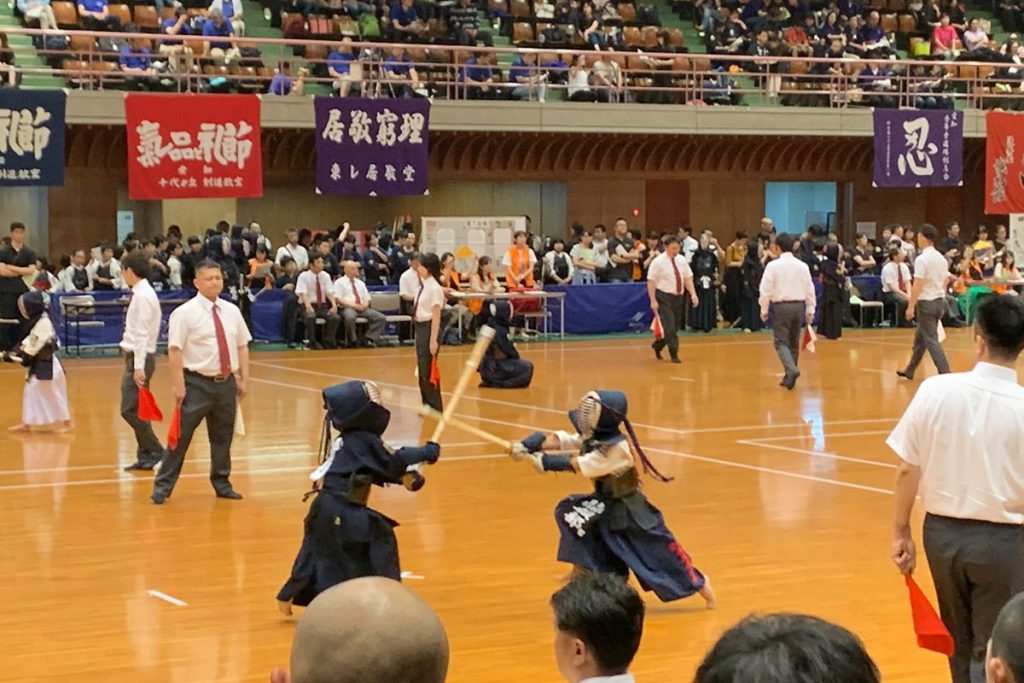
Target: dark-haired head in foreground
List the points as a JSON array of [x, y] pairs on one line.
[[368, 630], [1005, 660], [999, 329], [599, 619], [787, 648]]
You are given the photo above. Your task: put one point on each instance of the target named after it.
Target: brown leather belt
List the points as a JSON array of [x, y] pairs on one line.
[[213, 378]]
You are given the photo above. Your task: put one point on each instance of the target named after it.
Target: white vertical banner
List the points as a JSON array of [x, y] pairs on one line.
[[1015, 240]]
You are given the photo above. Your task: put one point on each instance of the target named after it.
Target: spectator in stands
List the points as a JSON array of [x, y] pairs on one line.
[[135, 58], [479, 78], [584, 260], [332, 266], [782, 648], [944, 39], [232, 11], [609, 83], [622, 252], [557, 264], [519, 261], [158, 267], [798, 38], [95, 15], [354, 299], [863, 256], [173, 49], [1010, 15], [174, 253], [1000, 240], [388, 634], [283, 84], [401, 255], [214, 28], [75, 277], [579, 81], [876, 79], [105, 272], [404, 23], [38, 11], [985, 251], [189, 260], [974, 38], [287, 281], [599, 620], [952, 246], [293, 249], [401, 76], [483, 281], [896, 282], [45, 280], [593, 29], [261, 271], [464, 25], [1004, 661], [315, 292], [751, 272], [531, 81], [345, 69], [375, 261]]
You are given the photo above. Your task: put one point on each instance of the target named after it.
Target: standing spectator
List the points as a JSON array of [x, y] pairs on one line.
[[232, 11], [354, 298], [426, 313], [375, 261], [959, 444], [863, 256], [668, 276], [322, 246], [601, 253], [293, 250], [557, 264], [141, 331], [952, 247], [45, 280], [409, 286], [1000, 241], [786, 285], [208, 357], [1004, 662], [519, 261], [464, 25], [786, 648], [189, 260], [833, 277], [751, 272], [584, 260], [928, 304], [16, 262], [401, 255], [689, 243], [76, 278], [896, 286], [599, 620], [622, 252], [735, 253], [314, 290], [174, 266], [704, 314]]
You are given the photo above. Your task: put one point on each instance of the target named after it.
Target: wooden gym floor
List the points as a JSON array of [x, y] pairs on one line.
[[782, 498]]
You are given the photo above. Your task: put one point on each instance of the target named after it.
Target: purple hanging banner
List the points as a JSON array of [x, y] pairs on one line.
[[371, 147], [918, 148]]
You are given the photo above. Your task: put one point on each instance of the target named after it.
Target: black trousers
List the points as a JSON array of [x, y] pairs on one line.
[[926, 336], [898, 307], [430, 394], [333, 320], [670, 310], [787, 324], [291, 317], [10, 333], [977, 567], [149, 450], [216, 403]]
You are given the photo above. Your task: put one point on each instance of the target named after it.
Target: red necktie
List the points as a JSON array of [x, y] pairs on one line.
[[899, 271], [222, 344], [679, 278], [319, 292], [355, 291]]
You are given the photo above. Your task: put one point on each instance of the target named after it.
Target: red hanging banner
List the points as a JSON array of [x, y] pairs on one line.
[[193, 146], [1004, 163]]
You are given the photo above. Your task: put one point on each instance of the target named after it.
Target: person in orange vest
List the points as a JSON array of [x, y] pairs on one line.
[[519, 261]]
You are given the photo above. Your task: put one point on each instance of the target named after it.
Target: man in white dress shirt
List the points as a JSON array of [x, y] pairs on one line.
[[354, 299], [927, 303], [141, 330], [296, 251], [787, 288], [896, 283], [668, 276], [316, 295], [208, 354], [599, 619], [959, 443], [409, 285]]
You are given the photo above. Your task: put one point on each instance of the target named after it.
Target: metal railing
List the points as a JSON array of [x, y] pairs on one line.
[[442, 71]]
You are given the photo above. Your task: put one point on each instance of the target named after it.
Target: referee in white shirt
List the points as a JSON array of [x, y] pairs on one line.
[[787, 288], [141, 330], [354, 299], [207, 344], [667, 277], [960, 443], [927, 303], [426, 314]]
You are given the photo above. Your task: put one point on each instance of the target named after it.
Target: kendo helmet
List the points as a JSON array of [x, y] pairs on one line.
[[501, 312], [356, 405], [599, 414]]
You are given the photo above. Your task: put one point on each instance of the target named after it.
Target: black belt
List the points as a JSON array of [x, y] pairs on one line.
[[790, 301], [213, 378]]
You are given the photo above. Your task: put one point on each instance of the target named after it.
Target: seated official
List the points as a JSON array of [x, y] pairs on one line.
[[896, 283], [314, 289], [354, 299]]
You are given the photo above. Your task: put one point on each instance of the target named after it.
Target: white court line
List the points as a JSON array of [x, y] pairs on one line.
[[415, 577], [880, 372], [818, 454], [166, 598], [682, 379], [827, 436]]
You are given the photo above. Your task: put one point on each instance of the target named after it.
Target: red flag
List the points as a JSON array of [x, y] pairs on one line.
[[435, 372], [932, 634], [174, 431], [148, 409], [656, 328], [808, 340]]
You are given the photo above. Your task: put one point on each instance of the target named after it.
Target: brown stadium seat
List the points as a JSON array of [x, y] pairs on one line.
[[631, 36], [521, 33], [675, 37], [82, 45], [66, 14], [145, 18], [889, 23], [121, 12], [907, 24], [520, 9], [649, 36], [627, 12]]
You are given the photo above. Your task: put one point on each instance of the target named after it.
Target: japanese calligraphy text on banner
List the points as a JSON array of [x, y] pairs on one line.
[[32, 137], [1004, 165], [193, 146], [371, 147], [917, 148]]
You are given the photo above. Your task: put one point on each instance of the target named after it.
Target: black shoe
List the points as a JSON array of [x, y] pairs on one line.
[[158, 498], [905, 375], [789, 381], [369, 343], [657, 349], [675, 359], [141, 466], [230, 495], [315, 347], [330, 347]]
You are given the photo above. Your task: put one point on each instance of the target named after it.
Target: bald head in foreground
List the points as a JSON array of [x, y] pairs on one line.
[[368, 630]]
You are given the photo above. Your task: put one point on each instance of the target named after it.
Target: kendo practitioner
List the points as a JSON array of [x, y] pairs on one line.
[[501, 367], [344, 539], [615, 529]]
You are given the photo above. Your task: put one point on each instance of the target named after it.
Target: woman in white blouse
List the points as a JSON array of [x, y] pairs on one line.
[[427, 309]]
